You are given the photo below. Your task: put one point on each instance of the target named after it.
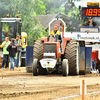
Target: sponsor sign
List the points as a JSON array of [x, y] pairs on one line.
[[87, 37], [48, 63]]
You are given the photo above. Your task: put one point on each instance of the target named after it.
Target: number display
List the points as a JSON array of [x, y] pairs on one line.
[[91, 12]]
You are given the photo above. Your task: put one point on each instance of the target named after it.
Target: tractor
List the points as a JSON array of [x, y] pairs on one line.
[[50, 56], [72, 55]]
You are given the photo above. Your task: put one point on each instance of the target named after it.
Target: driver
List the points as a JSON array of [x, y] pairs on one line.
[[56, 32]]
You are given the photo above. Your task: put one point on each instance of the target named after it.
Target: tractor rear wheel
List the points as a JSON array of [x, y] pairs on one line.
[[65, 69], [35, 67], [71, 55], [38, 54]]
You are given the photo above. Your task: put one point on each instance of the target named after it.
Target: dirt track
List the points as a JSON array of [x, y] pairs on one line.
[[19, 85]]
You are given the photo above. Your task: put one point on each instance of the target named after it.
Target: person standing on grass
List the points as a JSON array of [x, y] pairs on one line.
[[4, 45], [12, 48], [18, 43]]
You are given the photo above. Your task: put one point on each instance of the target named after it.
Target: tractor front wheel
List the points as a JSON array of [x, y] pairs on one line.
[[65, 69], [35, 67]]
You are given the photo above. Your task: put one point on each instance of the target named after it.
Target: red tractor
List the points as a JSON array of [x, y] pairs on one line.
[[55, 56]]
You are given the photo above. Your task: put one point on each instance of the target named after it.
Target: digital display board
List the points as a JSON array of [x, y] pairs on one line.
[[90, 12]]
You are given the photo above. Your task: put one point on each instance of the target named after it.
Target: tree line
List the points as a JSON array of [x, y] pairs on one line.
[[29, 9]]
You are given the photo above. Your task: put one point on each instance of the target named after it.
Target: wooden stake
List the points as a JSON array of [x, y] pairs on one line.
[[82, 89]]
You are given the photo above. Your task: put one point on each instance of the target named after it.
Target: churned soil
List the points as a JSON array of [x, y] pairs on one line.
[[19, 85]]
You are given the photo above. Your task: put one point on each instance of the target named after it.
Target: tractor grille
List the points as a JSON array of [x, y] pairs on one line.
[[50, 48]]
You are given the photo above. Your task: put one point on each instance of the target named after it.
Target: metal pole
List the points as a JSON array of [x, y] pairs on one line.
[[82, 89]]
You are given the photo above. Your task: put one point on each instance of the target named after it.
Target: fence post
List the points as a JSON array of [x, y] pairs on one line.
[[82, 89]]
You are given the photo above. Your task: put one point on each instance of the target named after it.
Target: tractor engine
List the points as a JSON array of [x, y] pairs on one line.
[[49, 50]]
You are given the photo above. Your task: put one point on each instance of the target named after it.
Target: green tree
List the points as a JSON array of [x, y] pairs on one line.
[[66, 7], [31, 23], [53, 6], [39, 7], [74, 14], [27, 10]]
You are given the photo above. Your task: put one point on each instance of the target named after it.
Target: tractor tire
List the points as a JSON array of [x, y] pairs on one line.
[[35, 67], [98, 66], [38, 50], [71, 55], [38, 54], [65, 68]]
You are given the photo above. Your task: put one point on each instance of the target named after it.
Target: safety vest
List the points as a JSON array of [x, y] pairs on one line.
[[53, 33]]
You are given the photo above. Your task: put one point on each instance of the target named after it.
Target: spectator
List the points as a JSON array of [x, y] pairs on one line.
[[4, 45], [91, 22], [12, 51], [18, 43], [15, 59]]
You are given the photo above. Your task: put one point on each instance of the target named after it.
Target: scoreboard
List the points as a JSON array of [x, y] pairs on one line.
[[90, 11]]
